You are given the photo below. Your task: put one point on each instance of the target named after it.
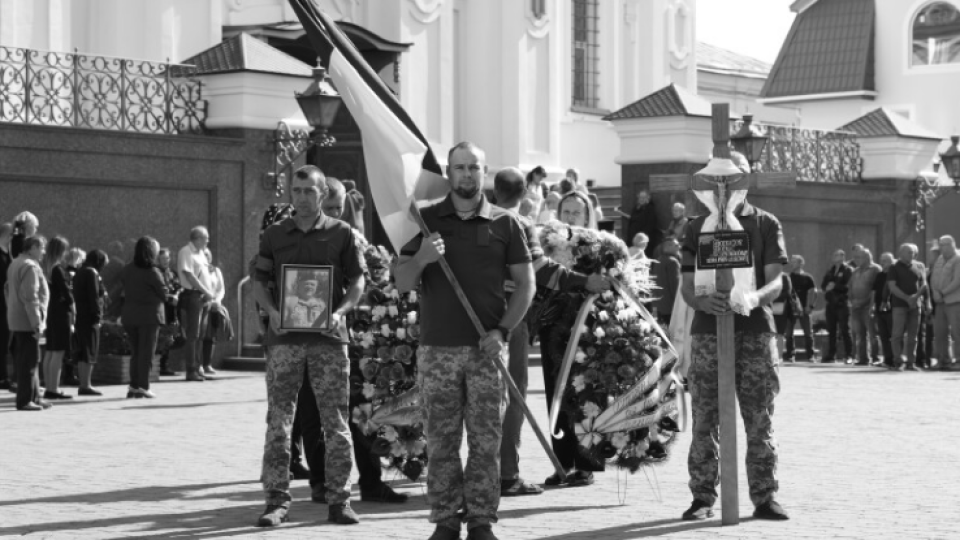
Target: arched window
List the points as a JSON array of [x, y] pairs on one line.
[[936, 35]]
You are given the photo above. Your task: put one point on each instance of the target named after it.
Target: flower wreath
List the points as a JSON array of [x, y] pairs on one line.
[[385, 333], [620, 396]]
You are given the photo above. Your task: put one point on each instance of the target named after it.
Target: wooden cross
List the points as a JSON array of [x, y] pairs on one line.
[[729, 496]]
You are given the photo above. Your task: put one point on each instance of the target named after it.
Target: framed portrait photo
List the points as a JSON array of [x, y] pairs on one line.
[[306, 295]]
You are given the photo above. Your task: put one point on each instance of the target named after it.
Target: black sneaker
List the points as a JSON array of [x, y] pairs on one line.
[[698, 510], [342, 514], [481, 532], [555, 480], [770, 510], [274, 515], [445, 533], [383, 494]]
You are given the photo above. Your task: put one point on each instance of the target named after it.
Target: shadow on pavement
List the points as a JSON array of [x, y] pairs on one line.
[[642, 530], [190, 405], [143, 494]]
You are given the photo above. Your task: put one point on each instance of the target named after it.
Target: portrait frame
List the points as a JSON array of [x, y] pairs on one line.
[[305, 307]]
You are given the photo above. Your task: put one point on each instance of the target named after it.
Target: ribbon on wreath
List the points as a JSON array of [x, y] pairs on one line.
[[743, 297]]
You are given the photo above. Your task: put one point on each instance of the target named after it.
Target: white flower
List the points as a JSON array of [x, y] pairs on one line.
[[378, 312], [644, 326], [603, 316], [394, 293], [578, 383], [367, 340], [599, 333], [614, 272], [401, 333], [607, 295], [389, 433], [641, 448], [580, 357], [619, 440], [393, 311], [591, 410], [412, 317], [418, 447], [369, 390], [621, 305], [396, 449], [412, 296], [385, 330]]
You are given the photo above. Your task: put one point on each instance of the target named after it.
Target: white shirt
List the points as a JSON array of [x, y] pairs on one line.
[[190, 259]]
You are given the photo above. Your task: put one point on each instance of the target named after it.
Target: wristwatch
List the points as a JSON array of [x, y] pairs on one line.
[[504, 332]]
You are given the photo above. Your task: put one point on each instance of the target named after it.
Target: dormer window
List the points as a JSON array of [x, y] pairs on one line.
[[936, 35]]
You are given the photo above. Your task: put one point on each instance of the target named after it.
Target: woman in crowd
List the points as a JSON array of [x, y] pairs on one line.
[[218, 322], [535, 189], [595, 202], [550, 204], [25, 225], [638, 248], [60, 317], [576, 209], [89, 293], [27, 296], [142, 313], [72, 262], [678, 223], [172, 282]]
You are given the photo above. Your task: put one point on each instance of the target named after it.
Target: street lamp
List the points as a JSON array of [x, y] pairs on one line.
[[950, 160], [749, 141], [319, 103]]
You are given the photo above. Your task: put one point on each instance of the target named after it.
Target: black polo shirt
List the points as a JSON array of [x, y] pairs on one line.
[[478, 249], [766, 240], [329, 243], [909, 278]]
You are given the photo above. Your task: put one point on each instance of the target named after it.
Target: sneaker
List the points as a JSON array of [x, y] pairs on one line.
[[147, 394], [299, 472], [445, 533], [45, 404], [555, 480], [208, 370], [849, 361], [382, 493], [580, 478], [342, 514], [196, 377], [318, 494], [770, 510], [274, 515], [698, 510], [481, 532], [133, 393], [30, 407], [910, 366], [89, 392], [56, 395]]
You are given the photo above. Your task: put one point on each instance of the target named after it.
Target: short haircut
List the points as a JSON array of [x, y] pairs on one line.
[[945, 238], [799, 258], [508, 186], [96, 259], [642, 236], [466, 145], [840, 252], [312, 172], [6, 228], [575, 173], [910, 245], [33, 241], [335, 188], [144, 255], [75, 256], [679, 205], [25, 217], [163, 251], [198, 232], [566, 186]]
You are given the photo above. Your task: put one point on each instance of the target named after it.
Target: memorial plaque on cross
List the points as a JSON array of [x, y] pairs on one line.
[[723, 250]]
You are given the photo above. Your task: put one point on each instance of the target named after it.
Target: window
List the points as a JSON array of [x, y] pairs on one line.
[[585, 53], [936, 35]]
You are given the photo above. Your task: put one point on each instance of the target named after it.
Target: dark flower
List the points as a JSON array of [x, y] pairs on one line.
[[380, 447], [656, 450], [376, 296], [370, 370], [384, 354], [613, 358], [412, 469], [396, 372], [590, 376], [606, 450], [403, 353], [383, 381], [627, 372]]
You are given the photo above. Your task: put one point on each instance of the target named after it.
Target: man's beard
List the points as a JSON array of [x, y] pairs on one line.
[[467, 193]]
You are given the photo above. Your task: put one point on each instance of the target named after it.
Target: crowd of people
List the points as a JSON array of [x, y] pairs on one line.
[[57, 297]]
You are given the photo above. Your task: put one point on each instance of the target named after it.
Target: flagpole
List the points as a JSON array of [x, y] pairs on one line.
[[504, 372]]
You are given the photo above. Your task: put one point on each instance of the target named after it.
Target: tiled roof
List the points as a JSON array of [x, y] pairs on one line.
[[883, 122], [713, 57], [244, 52], [829, 49], [670, 100]]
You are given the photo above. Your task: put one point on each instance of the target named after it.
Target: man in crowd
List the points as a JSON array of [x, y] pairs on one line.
[[667, 277], [459, 381], [308, 238], [945, 285], [757, 380], [643, 218], [508, 186], [883, 311], [194, 302], [6, 233], [861, 306], [835, 285], [907, 282], [806, 290]]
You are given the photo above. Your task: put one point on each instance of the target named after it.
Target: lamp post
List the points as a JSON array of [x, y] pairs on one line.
[[319, 103], [749, 141], [950, 160]]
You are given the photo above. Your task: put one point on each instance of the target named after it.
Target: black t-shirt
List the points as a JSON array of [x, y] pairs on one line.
[[909, 278], [802, 283]]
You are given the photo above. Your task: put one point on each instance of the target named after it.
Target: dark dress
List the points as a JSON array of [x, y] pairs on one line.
[[88, 293], [142, 315], [60, 310]]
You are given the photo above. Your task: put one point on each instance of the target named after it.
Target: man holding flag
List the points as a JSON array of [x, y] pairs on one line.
[[459, 381]]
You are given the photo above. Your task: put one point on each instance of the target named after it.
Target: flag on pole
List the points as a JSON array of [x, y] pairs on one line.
[[401, 168]]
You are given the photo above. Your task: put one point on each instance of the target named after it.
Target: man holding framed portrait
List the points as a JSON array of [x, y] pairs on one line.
[[314, 264]]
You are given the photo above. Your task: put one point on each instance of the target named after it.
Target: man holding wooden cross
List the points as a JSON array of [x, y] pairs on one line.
[[460, 383], [757, 381]]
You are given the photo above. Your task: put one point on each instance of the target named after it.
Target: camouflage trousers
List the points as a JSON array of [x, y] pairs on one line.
[[758, 383], [328, 370], [462, 386]]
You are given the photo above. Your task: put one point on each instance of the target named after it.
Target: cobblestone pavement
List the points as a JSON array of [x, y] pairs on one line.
[[865, 453]]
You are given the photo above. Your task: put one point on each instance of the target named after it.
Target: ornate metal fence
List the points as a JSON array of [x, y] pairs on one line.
[[98, 92], [816, 156]]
